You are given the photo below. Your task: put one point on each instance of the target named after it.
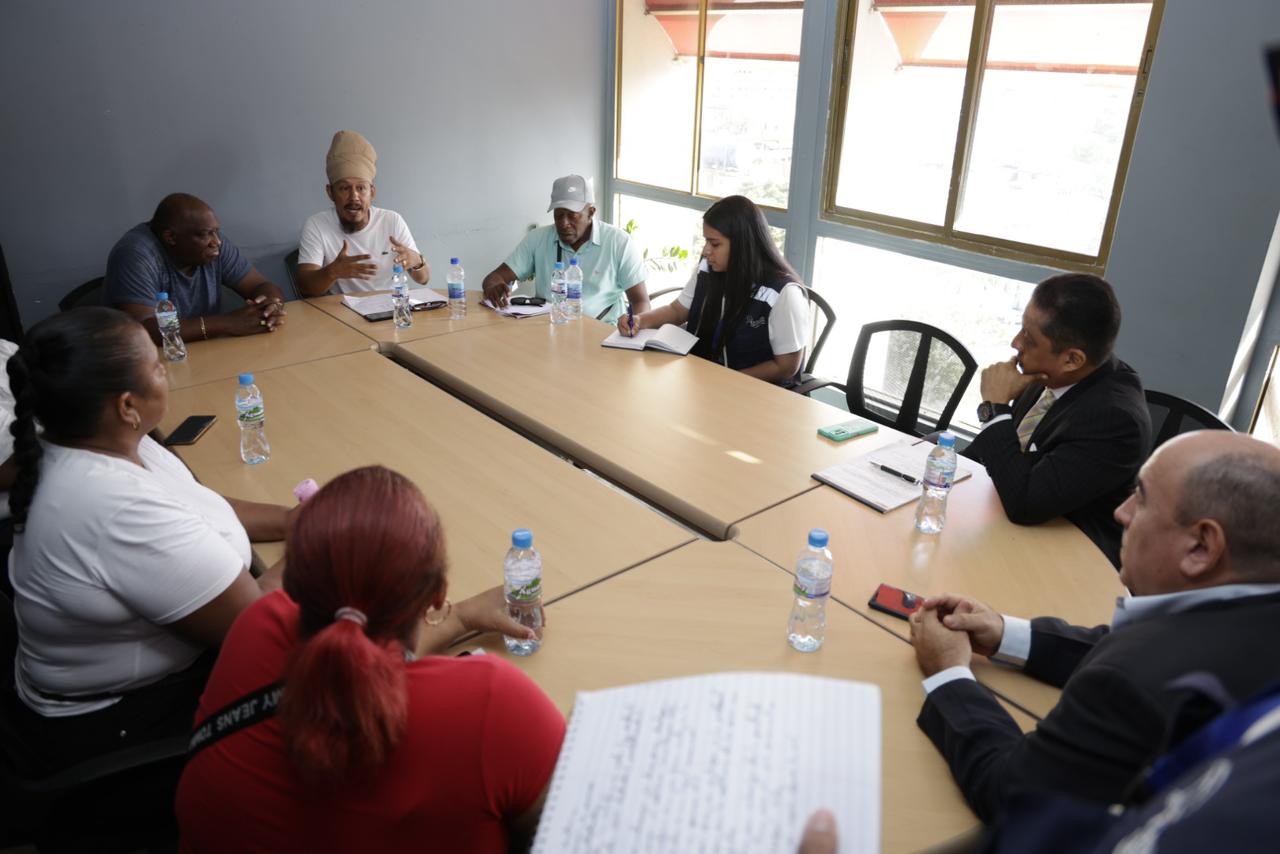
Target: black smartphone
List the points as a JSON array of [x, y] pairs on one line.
[[188, 431], [528, 301], [895, 601]]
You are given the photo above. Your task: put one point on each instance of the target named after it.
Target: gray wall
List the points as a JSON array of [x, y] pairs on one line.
[[1202, 197], [108, 106]]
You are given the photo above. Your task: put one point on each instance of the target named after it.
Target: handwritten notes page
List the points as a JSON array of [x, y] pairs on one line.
[[729, 762]]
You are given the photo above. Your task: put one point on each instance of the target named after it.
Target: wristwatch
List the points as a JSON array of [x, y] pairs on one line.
[[422, 262], [988, 410]]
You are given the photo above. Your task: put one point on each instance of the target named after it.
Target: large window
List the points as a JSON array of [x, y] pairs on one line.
[[999, 126], [706, 96]]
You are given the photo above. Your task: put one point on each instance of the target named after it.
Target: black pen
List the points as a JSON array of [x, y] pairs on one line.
[[908, 478]]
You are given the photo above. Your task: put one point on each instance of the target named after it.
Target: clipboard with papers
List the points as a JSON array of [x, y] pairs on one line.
[[886, 478], [378, 306]]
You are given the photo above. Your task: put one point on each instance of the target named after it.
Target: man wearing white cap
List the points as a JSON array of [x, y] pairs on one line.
[[610, 263], [354, 246]]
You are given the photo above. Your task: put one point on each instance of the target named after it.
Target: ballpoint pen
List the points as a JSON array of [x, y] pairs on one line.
[[908, 478], [631, 319]]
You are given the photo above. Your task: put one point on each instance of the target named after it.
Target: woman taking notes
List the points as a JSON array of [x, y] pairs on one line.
[[124, 568], [378, 744], [745, 303]]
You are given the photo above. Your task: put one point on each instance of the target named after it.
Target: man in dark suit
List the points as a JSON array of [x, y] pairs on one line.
[[1201, 556], [1065, 436]]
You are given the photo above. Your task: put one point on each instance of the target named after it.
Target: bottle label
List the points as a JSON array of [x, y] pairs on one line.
[[457, 291], [812, 588], [167, 319], [575, 290], [530, 591], [252, 415]]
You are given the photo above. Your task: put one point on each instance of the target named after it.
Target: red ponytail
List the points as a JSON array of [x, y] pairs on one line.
[[368, 540]]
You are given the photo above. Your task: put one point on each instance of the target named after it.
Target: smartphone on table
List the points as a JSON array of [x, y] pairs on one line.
[[895, 601], [189, 430], [848, 429]]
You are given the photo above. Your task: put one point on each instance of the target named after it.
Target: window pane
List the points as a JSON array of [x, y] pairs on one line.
[[749, 100], [864, 284], [659, 81], [1051, 119], [903, 109], [662, 232]]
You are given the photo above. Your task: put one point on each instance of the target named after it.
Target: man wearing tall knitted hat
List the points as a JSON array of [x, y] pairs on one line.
[[353, 246]]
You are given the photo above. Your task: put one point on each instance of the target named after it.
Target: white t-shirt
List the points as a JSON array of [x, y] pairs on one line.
[[788, 319], [322, 238], [112, 553], [7, 349]]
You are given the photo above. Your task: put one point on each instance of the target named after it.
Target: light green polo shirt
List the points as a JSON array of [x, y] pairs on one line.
[[609, 260]]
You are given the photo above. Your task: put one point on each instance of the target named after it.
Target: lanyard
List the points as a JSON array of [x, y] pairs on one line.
[[1223, 733]]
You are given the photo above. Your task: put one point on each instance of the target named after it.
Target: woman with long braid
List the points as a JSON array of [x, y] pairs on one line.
[[125, 569], [379, 743]]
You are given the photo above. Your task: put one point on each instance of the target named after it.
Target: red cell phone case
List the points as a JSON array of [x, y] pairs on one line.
[[892, 600]]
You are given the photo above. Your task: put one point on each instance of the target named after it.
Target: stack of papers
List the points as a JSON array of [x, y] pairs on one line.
[[378, 306], [723, 762], [517, 311], [668, 339], [887, 477]]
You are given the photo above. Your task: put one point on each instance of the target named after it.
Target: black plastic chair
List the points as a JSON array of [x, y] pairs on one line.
[[90, 293], [828, 315], [926, 373], [10, 321], [69, 810], [1172, 415], [291, 270]]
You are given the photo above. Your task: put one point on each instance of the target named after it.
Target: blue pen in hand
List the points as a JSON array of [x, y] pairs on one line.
[[631, 319]]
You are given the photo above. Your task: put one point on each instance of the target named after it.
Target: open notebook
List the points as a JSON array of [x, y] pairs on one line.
[[669, 339], [722, 762], [378, 306], [887, 477]]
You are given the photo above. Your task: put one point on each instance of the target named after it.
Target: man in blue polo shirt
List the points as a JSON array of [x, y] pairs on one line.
[[182, 252], [610, 262]]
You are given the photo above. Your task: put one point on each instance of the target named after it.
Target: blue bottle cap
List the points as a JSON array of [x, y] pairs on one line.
[[246, 379], [818, 538], [453, 260], [559, 265], [947, 439], [397, 269], [522, 538], [162, 295], [573, 262]]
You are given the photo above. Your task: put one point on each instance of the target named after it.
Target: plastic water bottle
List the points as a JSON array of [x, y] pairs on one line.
[[573, 290], [558, 293], [939, 474], [401, 311], [251, 415], [170, 328], [807, 628], [522, 583], [457, 280]]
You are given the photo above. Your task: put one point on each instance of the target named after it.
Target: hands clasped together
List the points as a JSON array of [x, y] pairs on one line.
[[949, 629]]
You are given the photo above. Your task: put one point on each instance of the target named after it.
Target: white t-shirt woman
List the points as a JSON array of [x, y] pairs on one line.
[[113, 553]]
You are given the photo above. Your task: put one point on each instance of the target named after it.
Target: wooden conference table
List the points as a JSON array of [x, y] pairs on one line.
[[1026, 571], [707, 445], [307, 334], [709, 607], [327, 416]]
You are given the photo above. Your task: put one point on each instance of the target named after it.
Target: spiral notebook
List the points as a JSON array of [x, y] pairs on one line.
[[378, 306], [723, 762]]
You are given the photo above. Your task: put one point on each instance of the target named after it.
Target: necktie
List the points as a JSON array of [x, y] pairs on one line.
[[1031, 420]]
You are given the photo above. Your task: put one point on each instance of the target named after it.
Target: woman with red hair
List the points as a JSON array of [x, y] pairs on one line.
[[377, 743]]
